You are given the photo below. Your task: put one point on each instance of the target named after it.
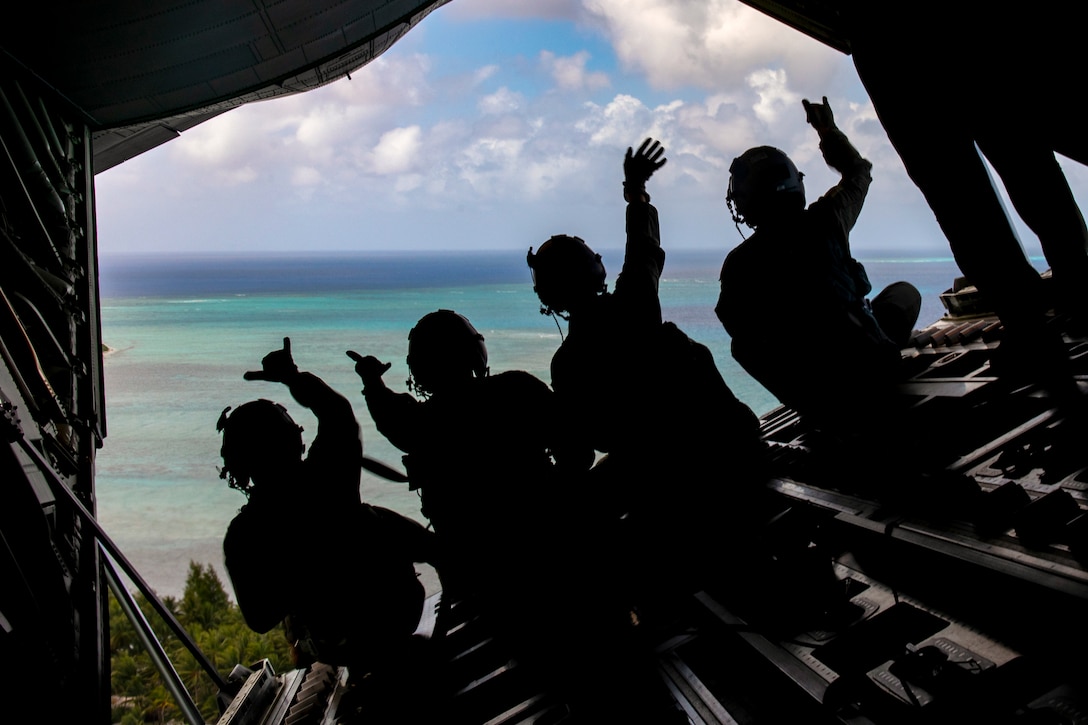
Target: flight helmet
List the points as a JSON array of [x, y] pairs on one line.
[[444, 348], [564, 271], [763, 181], [257, 435]]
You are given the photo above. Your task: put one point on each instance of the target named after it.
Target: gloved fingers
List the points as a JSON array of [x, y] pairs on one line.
[[653, 153]]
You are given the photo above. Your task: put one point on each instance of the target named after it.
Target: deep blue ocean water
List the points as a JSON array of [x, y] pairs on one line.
[[182, 330]]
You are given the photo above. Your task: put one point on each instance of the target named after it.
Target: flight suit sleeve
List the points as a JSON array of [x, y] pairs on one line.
[[398, 416], [640, 276], [844, 201], [255, 573], [334, 412], [338, 446]]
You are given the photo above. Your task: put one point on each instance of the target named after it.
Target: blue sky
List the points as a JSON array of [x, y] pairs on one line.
[[497, 123]]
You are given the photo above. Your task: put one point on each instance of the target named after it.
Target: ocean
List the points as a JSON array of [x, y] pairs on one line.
[[181, 331]]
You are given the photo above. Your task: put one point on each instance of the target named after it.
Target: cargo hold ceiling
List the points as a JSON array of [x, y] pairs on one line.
[[144, 72]]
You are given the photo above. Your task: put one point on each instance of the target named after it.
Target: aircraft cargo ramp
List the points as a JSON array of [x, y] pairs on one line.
[[943, 588]]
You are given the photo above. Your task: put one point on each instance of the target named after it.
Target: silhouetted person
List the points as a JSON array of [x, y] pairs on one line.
[[684, 457], [947, 83], [304, 550], [479, 447], [793, 299]]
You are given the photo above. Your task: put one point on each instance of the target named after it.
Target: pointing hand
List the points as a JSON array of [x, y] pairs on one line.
[[277, 366], [819, 115], [369, 368]]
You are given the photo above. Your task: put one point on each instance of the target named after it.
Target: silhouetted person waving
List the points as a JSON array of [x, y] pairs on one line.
[[793, 298], [304, 550], [684, 457], [480, 449]]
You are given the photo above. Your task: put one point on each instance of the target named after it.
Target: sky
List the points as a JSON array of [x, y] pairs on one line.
[[496, 123]]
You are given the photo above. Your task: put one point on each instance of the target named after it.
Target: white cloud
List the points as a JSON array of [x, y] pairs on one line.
[[396, 151], [312, 133], [484, 73], [775, 96], [616, 123], [408, 182], [501, 101], [569, 73], [305, 176], [519, 9], [406, 140], [224, 141], [388, 81], [485, 158], [707, 44], [236, 176]]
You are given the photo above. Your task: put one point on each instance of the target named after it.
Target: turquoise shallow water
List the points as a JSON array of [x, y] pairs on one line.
[[181, 332]]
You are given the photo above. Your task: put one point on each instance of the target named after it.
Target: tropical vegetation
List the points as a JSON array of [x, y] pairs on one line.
[[214, 623]]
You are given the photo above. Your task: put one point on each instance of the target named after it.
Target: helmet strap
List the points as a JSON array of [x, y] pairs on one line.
[[555, 316], [737, 218], [414, 387]]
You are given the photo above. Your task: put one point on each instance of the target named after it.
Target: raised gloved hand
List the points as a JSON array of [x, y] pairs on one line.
[[639, 166], [369, 368], [837, 150], [819, 115], [277, 366]]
